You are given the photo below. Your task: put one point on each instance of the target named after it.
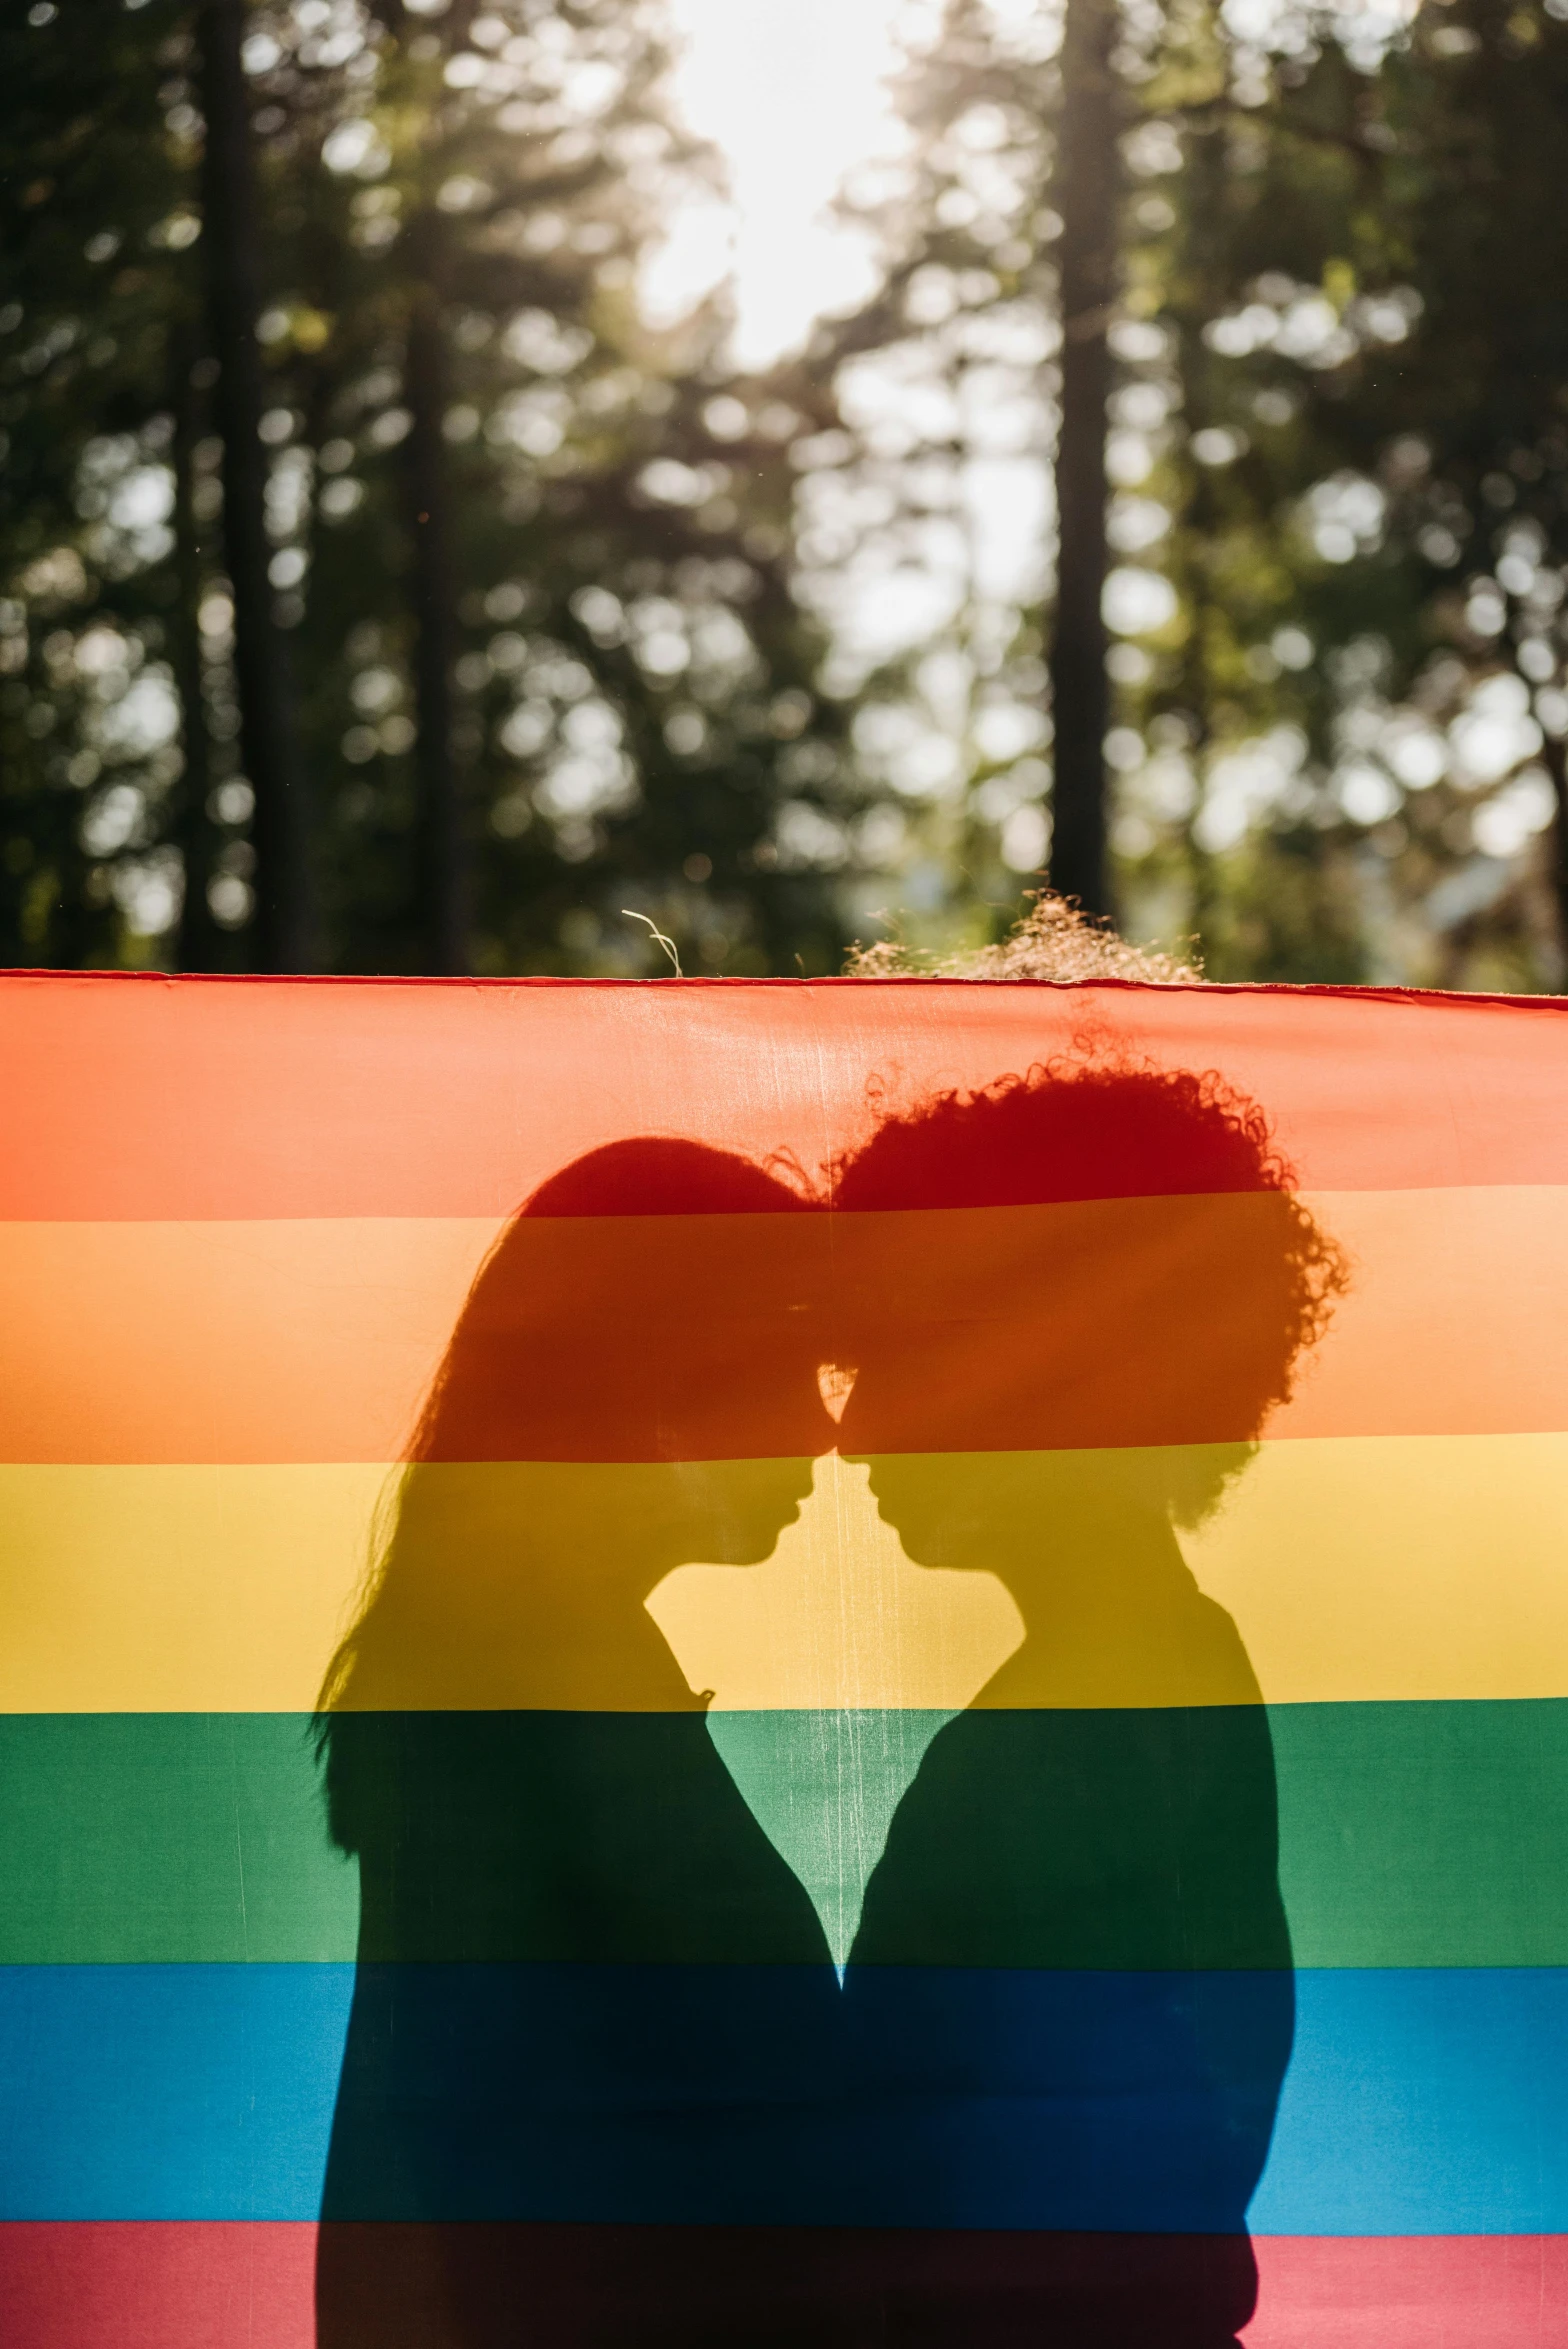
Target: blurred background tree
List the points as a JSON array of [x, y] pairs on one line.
[[564, 591]]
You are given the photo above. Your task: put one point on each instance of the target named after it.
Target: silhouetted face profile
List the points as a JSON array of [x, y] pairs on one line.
[[1072, 1963], [1151, 1288], [556, 1868], [629, 1388]]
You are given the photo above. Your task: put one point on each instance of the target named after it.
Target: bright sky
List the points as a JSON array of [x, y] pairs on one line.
[[793, 94]]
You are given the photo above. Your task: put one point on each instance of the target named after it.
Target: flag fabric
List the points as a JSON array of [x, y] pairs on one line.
[[877, 1662]]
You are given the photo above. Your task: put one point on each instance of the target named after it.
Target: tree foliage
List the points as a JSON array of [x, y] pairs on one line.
[[579, 619], [635, 712], [1335, 440]]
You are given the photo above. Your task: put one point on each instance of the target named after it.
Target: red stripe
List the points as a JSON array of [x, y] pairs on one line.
[[90, 2286], [1411, 2292], [189, 1098], [212, 2286]]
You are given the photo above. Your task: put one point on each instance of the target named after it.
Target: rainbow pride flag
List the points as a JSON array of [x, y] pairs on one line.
[[726, 1662]]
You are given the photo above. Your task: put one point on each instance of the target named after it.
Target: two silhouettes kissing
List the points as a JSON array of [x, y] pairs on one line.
[[603, 2083]]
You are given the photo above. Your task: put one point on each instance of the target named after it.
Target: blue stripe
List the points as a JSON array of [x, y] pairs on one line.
[[168, 2092], [1416, 2102], [1430, 2102]]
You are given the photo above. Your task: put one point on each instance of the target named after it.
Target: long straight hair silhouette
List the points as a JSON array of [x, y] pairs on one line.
[[572, 1929]]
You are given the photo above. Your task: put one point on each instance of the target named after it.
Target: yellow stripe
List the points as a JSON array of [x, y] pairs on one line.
[[178, 1590], [1351, 1567], [1359, 1568]]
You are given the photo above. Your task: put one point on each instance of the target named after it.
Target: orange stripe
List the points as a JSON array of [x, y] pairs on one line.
[[238, 1099], [1112, 1322]]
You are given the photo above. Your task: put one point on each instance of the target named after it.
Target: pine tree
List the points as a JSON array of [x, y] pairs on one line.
[[449, 217], [582, 680], [95, 223], [232, 247]]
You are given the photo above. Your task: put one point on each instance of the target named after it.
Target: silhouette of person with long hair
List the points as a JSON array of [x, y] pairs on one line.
[[585, 1978], [1072, 1972]]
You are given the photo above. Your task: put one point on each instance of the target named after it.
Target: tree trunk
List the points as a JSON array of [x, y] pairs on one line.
[[442, 877], [1087, 181], [1555, 753], [193, 827], [268, 740]]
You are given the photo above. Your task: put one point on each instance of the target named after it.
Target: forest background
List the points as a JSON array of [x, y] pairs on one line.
[[404, 566]]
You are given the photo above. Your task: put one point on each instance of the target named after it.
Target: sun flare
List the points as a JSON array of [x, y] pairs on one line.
[[794, 94]]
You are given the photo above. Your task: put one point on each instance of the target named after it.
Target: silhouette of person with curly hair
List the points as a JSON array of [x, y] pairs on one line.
[[1072, 1974]]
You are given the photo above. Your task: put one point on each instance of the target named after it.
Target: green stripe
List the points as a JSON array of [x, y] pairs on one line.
[[1410, 1835], [1425, 1834], [155, 1838]]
